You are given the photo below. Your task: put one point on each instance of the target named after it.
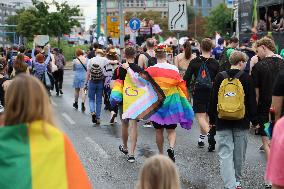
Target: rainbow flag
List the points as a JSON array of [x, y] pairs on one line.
[[31, 160], [142, 97], [176, 107], [116, 92]]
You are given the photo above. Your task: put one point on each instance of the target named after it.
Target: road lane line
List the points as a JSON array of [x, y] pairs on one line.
[[53, 103], [68, 118], [97, 148]]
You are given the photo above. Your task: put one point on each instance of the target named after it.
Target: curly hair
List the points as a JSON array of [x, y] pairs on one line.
[[267, 42]]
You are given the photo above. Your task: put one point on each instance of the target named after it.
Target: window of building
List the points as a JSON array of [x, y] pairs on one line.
[[111, 4], [150, 3], [209, 3], [199, 3]]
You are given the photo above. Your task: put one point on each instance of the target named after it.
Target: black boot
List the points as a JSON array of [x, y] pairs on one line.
[[83, 108], [211, 139], [75, 105]]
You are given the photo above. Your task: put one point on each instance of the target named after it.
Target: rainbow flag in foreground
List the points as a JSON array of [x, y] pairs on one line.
[[176, 107], [116, 92], [30, 160]]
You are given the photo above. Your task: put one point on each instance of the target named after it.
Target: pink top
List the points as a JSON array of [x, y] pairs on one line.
[[275, 165]]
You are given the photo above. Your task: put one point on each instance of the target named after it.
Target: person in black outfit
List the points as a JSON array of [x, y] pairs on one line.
[[246, 48], [224, 59], [278, 95], [264, 74], [120, 73], [232, 134], [201, 98]]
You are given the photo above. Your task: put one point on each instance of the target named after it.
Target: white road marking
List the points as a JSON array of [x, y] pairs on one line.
[[53, 103], [68, 118], [97, 148]]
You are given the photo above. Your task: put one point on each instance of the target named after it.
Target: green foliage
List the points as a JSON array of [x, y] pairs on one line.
[[218, 20], [38, 20]]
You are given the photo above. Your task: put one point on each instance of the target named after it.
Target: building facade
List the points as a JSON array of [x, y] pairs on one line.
[[6, 10], [136, 6], [204, 7]]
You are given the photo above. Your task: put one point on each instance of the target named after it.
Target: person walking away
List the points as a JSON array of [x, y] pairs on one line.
[[217, 51], [232, 108], [30, 136], [58, 74], [278, 96], [224, 57], [264, 74], [27, 59], [158, 172], [4, 81], [109, 70], [147, 59], [274, 168], [94, 82], [11, 57], [40, 66], [183, 59], [167, 117], [126, 123], [204, 69], [246, 48], [19, 66], [80, 69]]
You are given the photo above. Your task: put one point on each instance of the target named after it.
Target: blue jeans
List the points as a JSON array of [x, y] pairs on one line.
[[95, 94], [232, 152]]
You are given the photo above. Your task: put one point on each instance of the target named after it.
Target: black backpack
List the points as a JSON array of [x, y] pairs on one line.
[[151, 60], [203, 83], [96, 73]]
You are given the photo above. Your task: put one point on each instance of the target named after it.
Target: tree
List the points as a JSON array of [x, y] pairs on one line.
[[218, 20], [38, 20]]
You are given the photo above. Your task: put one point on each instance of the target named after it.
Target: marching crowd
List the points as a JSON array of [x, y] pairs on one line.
[[228, 89]]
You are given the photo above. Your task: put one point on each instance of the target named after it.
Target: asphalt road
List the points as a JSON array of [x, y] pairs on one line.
[[107, 168]]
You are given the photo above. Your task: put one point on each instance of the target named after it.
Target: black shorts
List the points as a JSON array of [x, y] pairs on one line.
[[159, 126], [200, 106]]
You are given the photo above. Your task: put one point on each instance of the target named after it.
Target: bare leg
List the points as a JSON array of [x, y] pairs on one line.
[[124, 133], [265, 142], [202, 122], [160, 140], [83, 95], [76, 94], [133, 128], [171, 137]]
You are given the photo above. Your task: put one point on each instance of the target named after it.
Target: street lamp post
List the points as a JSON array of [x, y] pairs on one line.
[[98, 18], [121, 24]]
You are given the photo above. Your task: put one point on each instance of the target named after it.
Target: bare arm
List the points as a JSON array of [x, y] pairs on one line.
[[257, 94], [141, 62], [176, 61]]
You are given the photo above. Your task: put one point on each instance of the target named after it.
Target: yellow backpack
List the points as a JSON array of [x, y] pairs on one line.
[[231, 98]]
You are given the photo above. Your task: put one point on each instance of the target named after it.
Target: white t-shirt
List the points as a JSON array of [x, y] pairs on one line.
[[101, 61]]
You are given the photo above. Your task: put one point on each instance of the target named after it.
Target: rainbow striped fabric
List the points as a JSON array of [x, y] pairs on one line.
[[176, 107], [29, 159], [116, 93]]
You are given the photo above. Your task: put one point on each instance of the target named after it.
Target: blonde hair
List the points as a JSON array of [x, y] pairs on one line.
[[26, 100], [237, 56], [267, 42], [158, 172]]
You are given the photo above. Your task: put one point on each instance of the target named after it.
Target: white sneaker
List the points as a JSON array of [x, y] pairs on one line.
[[147, 125]]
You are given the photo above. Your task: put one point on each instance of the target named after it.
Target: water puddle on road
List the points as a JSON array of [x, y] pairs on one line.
[[113, 130], [145, 150]]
